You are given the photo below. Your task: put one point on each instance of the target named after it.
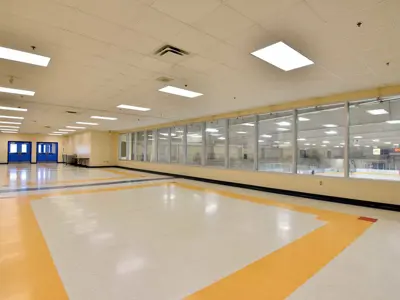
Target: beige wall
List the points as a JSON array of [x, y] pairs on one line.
[[361, 189], [34, 138], [99, 146]]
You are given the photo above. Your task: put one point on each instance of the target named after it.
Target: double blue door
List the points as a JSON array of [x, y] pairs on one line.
[[46, 152], [19, 152]]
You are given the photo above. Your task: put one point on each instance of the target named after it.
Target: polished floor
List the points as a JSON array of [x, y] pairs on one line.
[[77, 233]]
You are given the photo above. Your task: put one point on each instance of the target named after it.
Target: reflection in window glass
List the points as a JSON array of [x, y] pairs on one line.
[[177, 145], [215, 143], [163, 145], [194, 144], [122, 146], [241, 143], [151, 146], [374, 151], [140, 145], [275, 142], [321, 140]]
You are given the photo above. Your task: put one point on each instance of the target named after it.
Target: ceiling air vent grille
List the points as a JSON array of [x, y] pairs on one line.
[[168, 49]]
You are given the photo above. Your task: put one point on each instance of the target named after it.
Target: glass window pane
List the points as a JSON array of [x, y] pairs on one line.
[[163, 145], [151, 146], [140, 145], [275, 142], [194, 144], [53, 148], [321, 140], [122, 146], [40, 148], [241, 143], [215, 143], [13, 148], [177, 145], [24, 148], [374, 151]]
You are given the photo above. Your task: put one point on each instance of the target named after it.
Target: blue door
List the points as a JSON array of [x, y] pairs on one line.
[[46, 152], [19, 152]]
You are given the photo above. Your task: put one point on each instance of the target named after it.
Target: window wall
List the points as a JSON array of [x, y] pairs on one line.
[[356, 139], [275, 142]]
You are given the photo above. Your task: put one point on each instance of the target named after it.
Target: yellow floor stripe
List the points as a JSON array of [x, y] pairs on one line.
[[279, 274]]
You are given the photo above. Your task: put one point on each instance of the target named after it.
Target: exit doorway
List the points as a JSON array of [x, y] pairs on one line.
[[46, 152]]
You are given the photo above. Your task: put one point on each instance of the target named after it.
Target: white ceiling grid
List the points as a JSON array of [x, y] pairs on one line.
[[102, 55]]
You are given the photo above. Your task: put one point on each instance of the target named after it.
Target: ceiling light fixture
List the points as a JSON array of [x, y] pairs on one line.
[[283, 123], [282, 129], [241, 132], [9, 131], [12, 117], [358, 137], [8, 126], [212, 130], [58, 132], [221, 138], [248, 124], [330, 125], [55, 133], [376, 112], [75, 127], [282, 56], [388, 143], [393, 122], [306, 144], [68, 130], [24, 57], [125, 106], [16, 91], [331, 132], [87, 123], [326, 142], [301, 139], [261, 141], [180, 92], [103, 118], [12, 123], [376, 141], [13, 108], [266, 136], [301, 119]]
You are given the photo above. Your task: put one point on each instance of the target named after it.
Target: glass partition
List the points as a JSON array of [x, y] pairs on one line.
[[374, 151], [151, 146], [122, 146], [140, 137], [275, 142], [163, 145], [195, 144], [242, 143], [178, 145], [321, 140], [215, 143]]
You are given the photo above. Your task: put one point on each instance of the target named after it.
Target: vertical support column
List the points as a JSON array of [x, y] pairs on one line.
[[184, 138], [169, 145], [226, 145], [294, 142], [346, 161], [203, 147], [255, 143], [145, 146]]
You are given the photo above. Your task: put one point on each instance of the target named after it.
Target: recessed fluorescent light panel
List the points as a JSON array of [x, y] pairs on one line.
[[8, 126], [393, 122], [125, 106], [301, 139], [241, 132], [87, 123], [13, 108], [358, 137], [58, 132], [266, 136], [11, 117], [282, 129], [9, 132], [55, 133], [376, 112], [331, 132], [282, 56], [211, 130], [103, 118], [24, 57], [180, 92], [16, 91], [68, 130], [12, 123], [75, 127]]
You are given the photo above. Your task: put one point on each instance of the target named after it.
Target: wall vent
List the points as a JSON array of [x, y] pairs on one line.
[[168, 49]]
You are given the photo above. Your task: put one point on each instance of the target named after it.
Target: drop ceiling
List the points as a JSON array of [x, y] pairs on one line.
[[102, 55]]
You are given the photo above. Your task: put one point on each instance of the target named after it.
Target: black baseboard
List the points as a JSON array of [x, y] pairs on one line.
[[363, 203]]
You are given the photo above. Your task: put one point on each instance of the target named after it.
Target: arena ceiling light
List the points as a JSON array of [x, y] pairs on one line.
[[103, 118], [16, 91], [13, 108], [330, 125], [302, 119], [24, 57], [331, 132], [282, 129], [131, 107], [358, 137], [179, 92], [212, 130], [87, 123], [67, 130], [393, 122], [282, 56], [11, 117], [283, 123], [376, 112], [11, 123], [75, 127]]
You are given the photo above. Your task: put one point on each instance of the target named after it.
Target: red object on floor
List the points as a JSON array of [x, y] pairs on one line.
[[372, 220]]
